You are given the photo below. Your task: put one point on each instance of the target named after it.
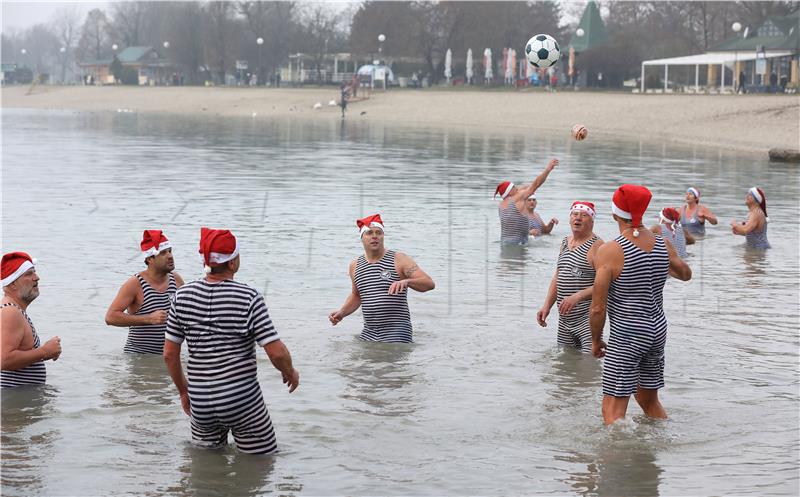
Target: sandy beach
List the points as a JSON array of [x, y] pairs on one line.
[[753, 123]]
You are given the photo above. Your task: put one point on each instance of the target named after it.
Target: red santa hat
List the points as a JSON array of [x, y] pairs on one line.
[[758, 195], [154, 242], [373, 221], [670, 215], [586, 207], [14, 265], [503, 189], [630, 202], [217, 247]]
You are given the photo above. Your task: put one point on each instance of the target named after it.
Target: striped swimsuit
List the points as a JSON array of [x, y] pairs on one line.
[[221, 324], [32, 374], [575, 274], [758, 239], [534, 224], [513, 225], [635, 354], [386, 317], [149, 338], [677, 238], [693, 225]]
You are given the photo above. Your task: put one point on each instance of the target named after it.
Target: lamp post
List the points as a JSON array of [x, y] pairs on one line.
[[63, 51], [260, 43], [381, 39], [736, 27]]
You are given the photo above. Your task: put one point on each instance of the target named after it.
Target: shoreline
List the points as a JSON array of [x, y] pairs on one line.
[[751, 123]]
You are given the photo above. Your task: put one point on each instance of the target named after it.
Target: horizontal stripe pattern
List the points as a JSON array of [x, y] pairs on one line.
[[635, 353], [32, 374], [386, 317], [675, 237], [221, 324], [574, 274], [149, 338], [513, 225]]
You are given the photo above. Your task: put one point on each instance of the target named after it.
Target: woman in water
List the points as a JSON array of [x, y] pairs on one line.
[[536, 226], [754, 229], [694, 215]]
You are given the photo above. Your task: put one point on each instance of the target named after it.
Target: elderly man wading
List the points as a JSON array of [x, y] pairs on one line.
[[23, 355]]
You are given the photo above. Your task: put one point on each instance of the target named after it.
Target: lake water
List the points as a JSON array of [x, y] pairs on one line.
[[483, 403]]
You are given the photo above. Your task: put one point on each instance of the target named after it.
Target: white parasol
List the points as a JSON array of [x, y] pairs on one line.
[[469, 66], [487, 64], [448, 65]]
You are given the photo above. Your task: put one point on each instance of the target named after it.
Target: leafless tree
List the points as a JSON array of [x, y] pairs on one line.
[[65, 24]]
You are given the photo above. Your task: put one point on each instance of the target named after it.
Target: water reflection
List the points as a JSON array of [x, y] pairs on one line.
[[137, 379], [226, 472], [27, 445], [379, 378], [573, 373], [755, 262]]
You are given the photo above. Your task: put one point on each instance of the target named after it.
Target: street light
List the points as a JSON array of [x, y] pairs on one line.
[[166, 44], [114, 47], [736, 27], [580, 32], [260, 42]]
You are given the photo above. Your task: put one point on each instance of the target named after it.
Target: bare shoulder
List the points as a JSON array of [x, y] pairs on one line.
[[351, 268], [11, 318], [178, 278], [609, 251]]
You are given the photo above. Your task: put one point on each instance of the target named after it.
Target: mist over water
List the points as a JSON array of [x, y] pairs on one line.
[[482, 403]]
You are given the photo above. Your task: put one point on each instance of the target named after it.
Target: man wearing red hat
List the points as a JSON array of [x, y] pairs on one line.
[[571, 286], [23, 355], [143, 301], [514, 227], [221, 321], [380, 282], [670, 228], [629, 284]]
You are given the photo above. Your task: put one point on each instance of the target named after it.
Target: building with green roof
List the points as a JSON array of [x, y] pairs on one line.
[[151, 66], [589, 33]]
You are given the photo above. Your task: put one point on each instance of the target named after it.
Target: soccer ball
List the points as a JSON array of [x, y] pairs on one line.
[[542, 51]]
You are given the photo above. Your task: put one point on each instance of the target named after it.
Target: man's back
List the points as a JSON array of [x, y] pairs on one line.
[[636, 296], [221, 322]]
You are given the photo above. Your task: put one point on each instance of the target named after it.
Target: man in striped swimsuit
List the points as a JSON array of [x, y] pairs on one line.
[[23, 356], [143, 301], [514, 227], [221, 321], [571, 286], [631, 272], [380, 282]]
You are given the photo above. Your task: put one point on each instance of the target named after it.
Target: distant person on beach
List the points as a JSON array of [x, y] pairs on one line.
[[221, 321], [536, 225], [514, 224], [754, 229], [694, 215], [144, 299], [380, 282], [631, 272], [742, 83], [343, 97], [571, 285], [669, 227], [414, 80], [277, 80], [23, 355]]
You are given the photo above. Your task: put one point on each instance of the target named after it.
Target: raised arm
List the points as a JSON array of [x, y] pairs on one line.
[[125, 299], [412, 276], [351, 304], [539, 181]]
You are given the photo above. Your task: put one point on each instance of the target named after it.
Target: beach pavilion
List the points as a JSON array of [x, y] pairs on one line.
[[774, 47]]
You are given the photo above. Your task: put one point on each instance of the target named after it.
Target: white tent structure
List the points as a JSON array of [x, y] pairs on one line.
[[706, 59]]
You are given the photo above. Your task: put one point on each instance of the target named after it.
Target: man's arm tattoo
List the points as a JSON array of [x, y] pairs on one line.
[[410, 271]]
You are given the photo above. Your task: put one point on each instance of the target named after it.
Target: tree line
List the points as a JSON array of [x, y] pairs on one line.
[[205, 39]]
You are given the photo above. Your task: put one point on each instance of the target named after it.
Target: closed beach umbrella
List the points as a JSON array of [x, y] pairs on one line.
[[571, 61], [507, 65], [487, 64], [513, 62], [469, 65], [448, 65], [529, 69]]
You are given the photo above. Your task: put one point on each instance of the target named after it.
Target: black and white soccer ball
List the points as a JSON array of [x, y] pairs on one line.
[[542, 51]]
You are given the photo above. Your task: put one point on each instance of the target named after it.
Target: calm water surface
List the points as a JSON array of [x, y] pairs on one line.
[[482, 403]]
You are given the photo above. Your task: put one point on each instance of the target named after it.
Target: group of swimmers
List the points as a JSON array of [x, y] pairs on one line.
[[623, 278], [221, 320]]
